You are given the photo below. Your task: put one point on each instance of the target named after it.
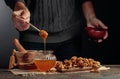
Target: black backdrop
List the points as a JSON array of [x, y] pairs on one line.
[[106, 52]]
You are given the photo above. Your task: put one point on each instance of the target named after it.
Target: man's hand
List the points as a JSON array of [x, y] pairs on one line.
[[92, 20], [96, 23], [21, 17]]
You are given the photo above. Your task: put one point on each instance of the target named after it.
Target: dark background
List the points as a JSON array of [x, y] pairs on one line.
[[106, 52]]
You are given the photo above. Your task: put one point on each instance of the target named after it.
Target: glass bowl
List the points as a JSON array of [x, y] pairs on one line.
[[45, 60]]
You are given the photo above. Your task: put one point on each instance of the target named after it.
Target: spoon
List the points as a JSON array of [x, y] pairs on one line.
[[43, 34]]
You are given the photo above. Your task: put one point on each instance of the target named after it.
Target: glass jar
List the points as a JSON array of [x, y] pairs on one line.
[[45, 60]]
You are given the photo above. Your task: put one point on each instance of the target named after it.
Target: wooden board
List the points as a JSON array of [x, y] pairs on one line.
[[76, 69]]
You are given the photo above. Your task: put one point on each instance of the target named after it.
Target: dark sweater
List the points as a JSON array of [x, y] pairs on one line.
[[60, 18]]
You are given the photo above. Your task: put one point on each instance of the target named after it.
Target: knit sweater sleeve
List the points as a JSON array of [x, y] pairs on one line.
[[11, 3]]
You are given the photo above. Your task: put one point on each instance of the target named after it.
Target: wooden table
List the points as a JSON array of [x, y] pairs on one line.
[[112, 73]]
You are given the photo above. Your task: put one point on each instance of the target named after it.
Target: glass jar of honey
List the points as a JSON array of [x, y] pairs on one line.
[[45, 60]]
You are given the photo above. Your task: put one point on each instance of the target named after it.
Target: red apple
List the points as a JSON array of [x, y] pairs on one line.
[[95, 33]]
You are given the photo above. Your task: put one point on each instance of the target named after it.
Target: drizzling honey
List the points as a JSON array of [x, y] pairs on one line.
[[44, 45], [43, 34], [45, 64]]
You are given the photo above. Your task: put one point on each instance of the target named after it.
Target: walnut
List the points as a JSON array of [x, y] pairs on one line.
[[74, 61], [80, 63], [67, 64], [59, 65]]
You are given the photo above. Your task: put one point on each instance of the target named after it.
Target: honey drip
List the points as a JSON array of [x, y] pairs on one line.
[[44, 45]]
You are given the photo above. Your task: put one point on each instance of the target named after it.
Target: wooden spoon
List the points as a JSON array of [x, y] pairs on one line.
[[42, 33]]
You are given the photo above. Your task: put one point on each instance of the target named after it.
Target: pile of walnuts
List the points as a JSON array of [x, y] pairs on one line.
[[77, 62]]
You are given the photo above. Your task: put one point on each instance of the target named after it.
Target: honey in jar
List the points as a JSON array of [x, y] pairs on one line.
[[45, 60], [44, 65]]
